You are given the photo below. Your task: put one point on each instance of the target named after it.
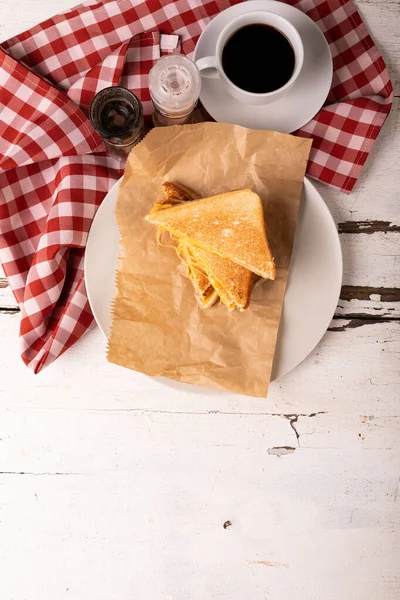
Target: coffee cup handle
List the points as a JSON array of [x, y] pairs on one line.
[[208, 67]]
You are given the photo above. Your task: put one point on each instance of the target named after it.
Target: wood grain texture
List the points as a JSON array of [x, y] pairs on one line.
[[119, 529], [382, 20], [365, 293], [366, 302], [116, 486], [368, 227], [355, 302], [350, 371]]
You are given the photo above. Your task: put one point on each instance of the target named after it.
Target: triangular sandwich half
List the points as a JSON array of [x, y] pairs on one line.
[[230, 225], [231, 282]]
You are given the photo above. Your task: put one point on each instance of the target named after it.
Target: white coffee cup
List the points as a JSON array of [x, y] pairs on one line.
[[211, 66]]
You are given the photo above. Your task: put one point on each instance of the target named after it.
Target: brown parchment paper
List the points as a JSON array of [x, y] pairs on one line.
[[158, 327]]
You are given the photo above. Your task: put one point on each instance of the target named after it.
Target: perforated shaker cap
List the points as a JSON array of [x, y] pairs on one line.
[[174, 84]]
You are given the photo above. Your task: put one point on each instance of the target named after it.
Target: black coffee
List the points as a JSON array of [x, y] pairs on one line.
[[258, 58]]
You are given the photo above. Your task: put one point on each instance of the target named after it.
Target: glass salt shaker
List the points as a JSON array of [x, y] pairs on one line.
[[117, 116], [174, 84]]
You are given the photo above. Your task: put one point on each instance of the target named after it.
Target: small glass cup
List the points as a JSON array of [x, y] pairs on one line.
[[117, 116]]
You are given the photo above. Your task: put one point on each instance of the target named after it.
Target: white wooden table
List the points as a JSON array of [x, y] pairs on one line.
[[117, 487]]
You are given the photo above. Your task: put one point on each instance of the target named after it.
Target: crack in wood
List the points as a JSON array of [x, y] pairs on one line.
[[348, 292], [195, 412], [292, 420], [359, 292], [36, 474], [268, 563], [294, 417], [368, 227], [360, 321], [281, 450]]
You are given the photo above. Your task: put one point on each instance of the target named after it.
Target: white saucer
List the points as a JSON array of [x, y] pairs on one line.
[[302, 101], [312, 291]]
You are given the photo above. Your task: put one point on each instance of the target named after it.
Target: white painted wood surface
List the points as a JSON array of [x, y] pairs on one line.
[[115, 486]]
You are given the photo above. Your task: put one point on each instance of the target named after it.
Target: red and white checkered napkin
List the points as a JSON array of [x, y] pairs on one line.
[[54, 172], [360, 98]]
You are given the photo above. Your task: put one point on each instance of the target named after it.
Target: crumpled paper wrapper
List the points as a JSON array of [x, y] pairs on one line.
[[158, 328]]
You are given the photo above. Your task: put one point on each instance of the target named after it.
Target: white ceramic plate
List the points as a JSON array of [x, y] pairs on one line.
[[312, 292], [302, 101]]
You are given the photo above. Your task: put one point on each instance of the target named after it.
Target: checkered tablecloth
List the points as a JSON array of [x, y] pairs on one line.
[[54, 172]]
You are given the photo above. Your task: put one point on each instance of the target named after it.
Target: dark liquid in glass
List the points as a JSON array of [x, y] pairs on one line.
[[258, 58]]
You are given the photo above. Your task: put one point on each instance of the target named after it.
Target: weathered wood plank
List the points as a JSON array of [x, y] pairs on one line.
[[350, 369], [115, 485], [371, 309], [367, 293], [160, 531], [382, 19], [139, 501], [355, 301], [371, 260], [365, 302], [354, 323], [20, 15], [368, 227]]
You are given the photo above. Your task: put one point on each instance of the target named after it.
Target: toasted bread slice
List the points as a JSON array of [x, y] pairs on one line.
[[205, 294], [232, 282], [230, 225]]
